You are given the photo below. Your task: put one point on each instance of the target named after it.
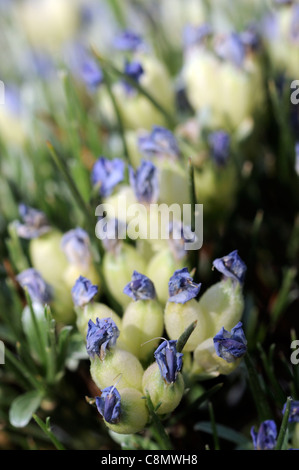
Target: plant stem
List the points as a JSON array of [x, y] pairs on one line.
[[157, 427], [284, 425]]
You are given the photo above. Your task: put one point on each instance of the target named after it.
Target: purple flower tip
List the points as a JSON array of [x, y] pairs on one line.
[[160, 142], [169, 360], [101, 335], [83, 291], [107, 174], [181, 287], [38, 289], [231, 266], [265, 438], [232, 345], [34, 223], [108, 405], [144, 182], [140, 287]]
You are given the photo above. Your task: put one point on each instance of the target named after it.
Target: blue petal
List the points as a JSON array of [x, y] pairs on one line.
[[140, 287], [220, 145], [107, 174], [83, 291], [144, 182], [169, 360], [76, 246], [34, 223], [159, 142], [128, 41], [181, 287], [232, 345], [231, 266], [109, 404], [38, 289], [101, 335]]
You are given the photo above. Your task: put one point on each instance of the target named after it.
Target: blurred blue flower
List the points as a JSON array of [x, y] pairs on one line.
[[111, 232], [140, 287], [181, 287], [231, 266], [194, 35], [101, 335], [144, 182], [106, 174], [265, 438], [250, 37], [179, 236], [232, 345], [34, 223], [134, 71], [169, 360], [160, 142], [294, 411], [219, 142], [38, 290], [83, 291], [231, 48], [76, 245], [84, 66], [128, 40], [108, 404]]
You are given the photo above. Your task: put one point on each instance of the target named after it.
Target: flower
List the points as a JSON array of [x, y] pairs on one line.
[[144, 182], [108, 404], [101, 335], [294, 411], [83, 291], [231, 266], [128, 40], [91, 73], [134, 71], [194, 35], [169, 360], [231, 48], [160, 142], [107, 174], [232, 345], [140, 287], [34, 224], [76, 246], [220, 146], [265, 438], [181, 287], [179, 236], [38, 289]]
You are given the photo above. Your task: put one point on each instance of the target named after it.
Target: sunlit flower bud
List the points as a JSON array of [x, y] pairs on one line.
[[222, 304], [144, 181], [107, 174], [265, 437], [232, 345], [231, 266], [207, 364], [143, 318], [101, 336], [161, 267], [38, 289], [163, 379], [33, 223], [182, 309], [118, 267], [160, 143], [92, 311], [123, 411], [48, 259]]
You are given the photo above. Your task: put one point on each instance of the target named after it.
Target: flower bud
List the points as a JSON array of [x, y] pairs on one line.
[[124, 411], [265, 437], [232, 345], [207, 364], [163, 380], [143, 318], [136, 110], [182, 309], [118, 268], [107, 361]]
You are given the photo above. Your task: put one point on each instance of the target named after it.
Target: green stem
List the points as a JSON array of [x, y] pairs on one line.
[[157, 427], [284, 425], [46, 428], [214, 427], [36, 327], [261, 403]]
